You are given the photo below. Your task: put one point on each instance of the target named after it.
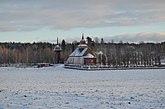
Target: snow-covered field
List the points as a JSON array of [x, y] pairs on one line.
[[59, 88]]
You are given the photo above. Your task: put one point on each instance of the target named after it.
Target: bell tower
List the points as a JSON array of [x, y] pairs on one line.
[[57, 50]]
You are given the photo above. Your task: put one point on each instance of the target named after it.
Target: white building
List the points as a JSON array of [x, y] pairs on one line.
[[162, 59]]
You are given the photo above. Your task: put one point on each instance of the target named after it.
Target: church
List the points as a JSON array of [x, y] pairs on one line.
[[82, 55]]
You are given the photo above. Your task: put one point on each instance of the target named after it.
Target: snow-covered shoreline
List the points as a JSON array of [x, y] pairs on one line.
[[92, 68], [60, 88]]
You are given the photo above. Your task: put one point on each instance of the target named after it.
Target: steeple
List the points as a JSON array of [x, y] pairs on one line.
[[57, 50], [82, 42], [57, 40], [82, 36]]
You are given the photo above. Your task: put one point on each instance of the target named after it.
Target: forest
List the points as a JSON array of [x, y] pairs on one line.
[[113, 54]]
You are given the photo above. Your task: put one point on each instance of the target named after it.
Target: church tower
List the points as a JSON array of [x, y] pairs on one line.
[[57, 50]]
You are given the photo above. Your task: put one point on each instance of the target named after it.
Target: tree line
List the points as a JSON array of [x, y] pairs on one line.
[[113, 54], [126, 54]]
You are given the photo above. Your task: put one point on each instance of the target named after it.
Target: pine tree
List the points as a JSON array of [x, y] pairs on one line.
[[63, 45]]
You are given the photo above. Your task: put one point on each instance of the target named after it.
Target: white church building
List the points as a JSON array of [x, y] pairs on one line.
[[82, 55]]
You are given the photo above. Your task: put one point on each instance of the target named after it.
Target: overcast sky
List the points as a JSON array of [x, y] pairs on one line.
[[44, 20]]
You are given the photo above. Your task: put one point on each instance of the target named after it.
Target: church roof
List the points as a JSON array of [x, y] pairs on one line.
[[79, 52], [89, 56], [82, 52], [82, 40]]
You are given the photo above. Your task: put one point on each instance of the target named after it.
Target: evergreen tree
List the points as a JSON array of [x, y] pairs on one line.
[[89, 40], [63, 45]]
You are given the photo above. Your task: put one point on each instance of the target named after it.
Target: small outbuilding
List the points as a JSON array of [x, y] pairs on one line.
[[162, 59]]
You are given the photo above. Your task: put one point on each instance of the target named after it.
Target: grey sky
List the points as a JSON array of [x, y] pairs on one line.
[[34, 15]]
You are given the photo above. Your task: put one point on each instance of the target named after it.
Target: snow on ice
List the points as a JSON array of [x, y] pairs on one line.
[[59, 88]]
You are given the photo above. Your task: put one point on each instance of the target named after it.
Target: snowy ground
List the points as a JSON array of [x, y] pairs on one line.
[[59, 88]]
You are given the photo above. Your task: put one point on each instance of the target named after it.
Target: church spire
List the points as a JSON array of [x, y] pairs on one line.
[[83, 36], [83, 40], [57, 40]]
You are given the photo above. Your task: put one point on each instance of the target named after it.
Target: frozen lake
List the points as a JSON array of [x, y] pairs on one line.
[[59, 88]]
